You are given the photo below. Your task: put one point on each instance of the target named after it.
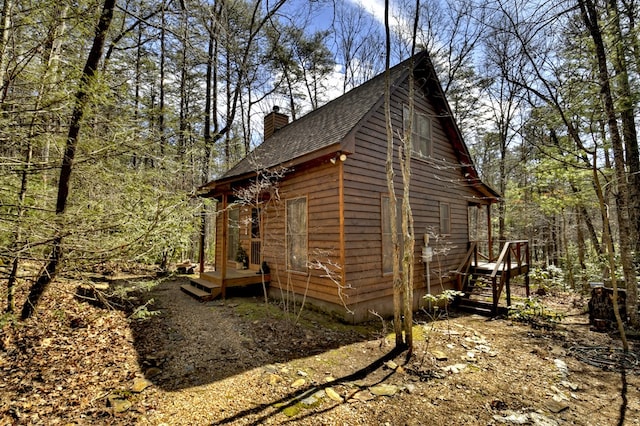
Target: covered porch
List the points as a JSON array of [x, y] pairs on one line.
[[213, 284]]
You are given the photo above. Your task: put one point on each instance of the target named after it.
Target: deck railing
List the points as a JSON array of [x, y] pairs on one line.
[[513, 258]]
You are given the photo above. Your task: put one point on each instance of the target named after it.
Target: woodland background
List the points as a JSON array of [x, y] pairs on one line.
[[112, 113]]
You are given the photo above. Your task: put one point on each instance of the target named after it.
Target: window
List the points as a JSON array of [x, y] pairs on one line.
[[234, 233], [255, 223], [445, 219], [387, 241], [256, 243], [420, 133], [297, 235]]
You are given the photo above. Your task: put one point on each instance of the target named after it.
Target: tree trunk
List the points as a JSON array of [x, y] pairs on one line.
[[135, 160], [13, 275], [608, 243], [51, 58], [162, 78], [5, 22], [408, 233], [397, 282], [184, 102], [50, 270], [629, 134], [590, 18]]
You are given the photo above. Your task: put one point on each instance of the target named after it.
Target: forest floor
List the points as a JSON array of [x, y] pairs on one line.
[[241, 362]]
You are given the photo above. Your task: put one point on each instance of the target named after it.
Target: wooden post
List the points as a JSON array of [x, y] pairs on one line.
[[203, 234], [489, 236], [343, 272], [223, 258]]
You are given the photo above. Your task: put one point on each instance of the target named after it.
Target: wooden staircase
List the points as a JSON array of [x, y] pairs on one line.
[[483, 279], [213, 284], [202, 289]]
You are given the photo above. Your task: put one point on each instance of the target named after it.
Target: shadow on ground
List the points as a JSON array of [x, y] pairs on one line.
[[187, 343]]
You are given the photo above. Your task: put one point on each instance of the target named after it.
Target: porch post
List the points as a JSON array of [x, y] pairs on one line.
[[203, 236], [225, 230], [489, 236]]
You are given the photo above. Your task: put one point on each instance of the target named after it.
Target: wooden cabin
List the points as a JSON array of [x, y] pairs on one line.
[[322, 224]]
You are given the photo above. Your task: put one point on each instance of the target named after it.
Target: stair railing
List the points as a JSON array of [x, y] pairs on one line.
[[462, 273], [513, 252]]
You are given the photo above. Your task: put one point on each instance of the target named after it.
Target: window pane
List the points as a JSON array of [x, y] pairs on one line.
[[255, 223], [297, 234], [234, 234], [445, 219], [420, 133], [405, 118]]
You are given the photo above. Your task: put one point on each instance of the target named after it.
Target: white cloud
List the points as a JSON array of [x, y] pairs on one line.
[[374, 7], [398, 17]]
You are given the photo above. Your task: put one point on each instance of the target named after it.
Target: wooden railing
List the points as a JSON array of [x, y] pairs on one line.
[[462, 273], [513, 260]]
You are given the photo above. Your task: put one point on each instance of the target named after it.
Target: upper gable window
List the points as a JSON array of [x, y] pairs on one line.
[[421, 132]]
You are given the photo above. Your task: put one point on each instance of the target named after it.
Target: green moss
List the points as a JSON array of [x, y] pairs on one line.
[[418, 334], [254, 310], [292, 410]]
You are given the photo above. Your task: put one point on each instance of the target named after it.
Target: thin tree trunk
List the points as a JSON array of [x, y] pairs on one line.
[[590, 18], [13, 275], [5, 22], [408, 233], [162, 78], [292, 103], [51, 57], [608, 243], [209, 109], [138, 74], [50, 270], [397, 281], [581, 244], [184, 102], [627, 114]]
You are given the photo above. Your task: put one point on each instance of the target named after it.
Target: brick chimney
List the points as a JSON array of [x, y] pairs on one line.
[[274, 121]]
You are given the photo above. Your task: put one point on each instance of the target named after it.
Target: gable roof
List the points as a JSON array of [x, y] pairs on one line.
[[327, 129]]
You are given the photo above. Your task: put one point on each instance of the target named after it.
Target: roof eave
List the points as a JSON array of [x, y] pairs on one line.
[[225, 185]]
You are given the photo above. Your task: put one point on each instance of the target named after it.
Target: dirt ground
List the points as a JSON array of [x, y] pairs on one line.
[[241, 362]]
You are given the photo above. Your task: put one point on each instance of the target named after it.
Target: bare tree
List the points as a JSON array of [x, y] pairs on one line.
[[358, 42], [402, 283], [397, 281]]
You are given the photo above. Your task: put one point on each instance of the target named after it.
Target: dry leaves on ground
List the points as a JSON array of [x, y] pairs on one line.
[[243, 362]]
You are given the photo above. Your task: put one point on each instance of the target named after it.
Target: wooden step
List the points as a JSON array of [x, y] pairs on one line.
[[195, 292], [202, 294], [210, 276], [480, 307], [204, 284]]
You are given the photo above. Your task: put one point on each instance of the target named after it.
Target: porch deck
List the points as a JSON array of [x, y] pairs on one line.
[[514, 268], [211, 284]]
